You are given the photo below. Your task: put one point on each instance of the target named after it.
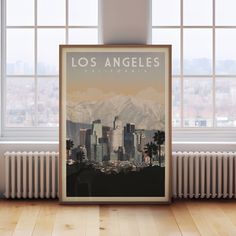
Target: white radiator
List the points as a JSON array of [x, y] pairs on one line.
[[31, 174], [204, 175], [194, 175]]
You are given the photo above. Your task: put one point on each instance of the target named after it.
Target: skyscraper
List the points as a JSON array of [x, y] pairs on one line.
[[114, 156], [87, 143], [101, 152], [141, 139], [82, 137], [120, 154], [129, 128], [130, 141], [94, 138], [97, 129], [117, 134], [93, 142]]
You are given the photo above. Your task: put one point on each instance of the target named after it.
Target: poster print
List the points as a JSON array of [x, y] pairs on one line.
[[115, 123]]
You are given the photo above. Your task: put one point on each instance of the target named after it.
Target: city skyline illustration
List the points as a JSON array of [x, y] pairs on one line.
[[112, 113]]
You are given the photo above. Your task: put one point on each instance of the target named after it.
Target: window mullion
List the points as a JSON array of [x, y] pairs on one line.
[[3, 67], [213, 65], [67, 21], [181, 67], [36, 60]]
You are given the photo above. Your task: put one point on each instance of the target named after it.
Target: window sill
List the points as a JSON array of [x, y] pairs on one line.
[[204, 135], [28, 142]]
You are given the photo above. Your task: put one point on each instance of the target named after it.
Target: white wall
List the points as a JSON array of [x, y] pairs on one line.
[[125, 21]]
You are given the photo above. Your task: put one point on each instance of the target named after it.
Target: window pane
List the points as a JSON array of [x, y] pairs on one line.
[[48, 102], [197, 52], [226, 102], [20, 51], [51, 12], [83, 13], [83, 36], [225, 51], [197, 12], [198, 107], [176, 102], [20, 12], [48, 50], [169, 36], [225, 12], [165, 12], [20, 106]]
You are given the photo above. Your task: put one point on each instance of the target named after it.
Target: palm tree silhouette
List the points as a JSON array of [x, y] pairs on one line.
[[150, 149], [159, 139], [80, 155], [69, 146]]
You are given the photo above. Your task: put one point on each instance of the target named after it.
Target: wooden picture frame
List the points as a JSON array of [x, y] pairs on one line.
[[115, 124]]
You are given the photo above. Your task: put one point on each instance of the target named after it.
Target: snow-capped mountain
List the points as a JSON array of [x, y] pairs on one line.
[[146, 114]]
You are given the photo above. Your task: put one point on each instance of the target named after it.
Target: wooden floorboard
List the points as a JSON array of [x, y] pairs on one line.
[[185, 217]]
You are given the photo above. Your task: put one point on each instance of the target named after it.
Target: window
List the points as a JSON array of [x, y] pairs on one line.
[[204, 61], [31, 33], [203, 35]]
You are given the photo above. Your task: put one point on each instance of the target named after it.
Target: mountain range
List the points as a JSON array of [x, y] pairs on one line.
[[146, 114]]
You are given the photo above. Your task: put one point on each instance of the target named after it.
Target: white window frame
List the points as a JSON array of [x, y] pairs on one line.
[[28, 133], [196, 134]]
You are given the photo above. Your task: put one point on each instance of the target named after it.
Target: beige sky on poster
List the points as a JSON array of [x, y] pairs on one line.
[[94, 94], [92, 83]]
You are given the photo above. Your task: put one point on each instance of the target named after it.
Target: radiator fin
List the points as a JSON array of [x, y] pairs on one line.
[[31, 174], [204, 175]]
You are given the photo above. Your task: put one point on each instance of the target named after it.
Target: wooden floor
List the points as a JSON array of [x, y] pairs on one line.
[[181, 218]]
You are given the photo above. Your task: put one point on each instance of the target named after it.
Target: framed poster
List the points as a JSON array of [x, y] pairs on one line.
[[115, 123]]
